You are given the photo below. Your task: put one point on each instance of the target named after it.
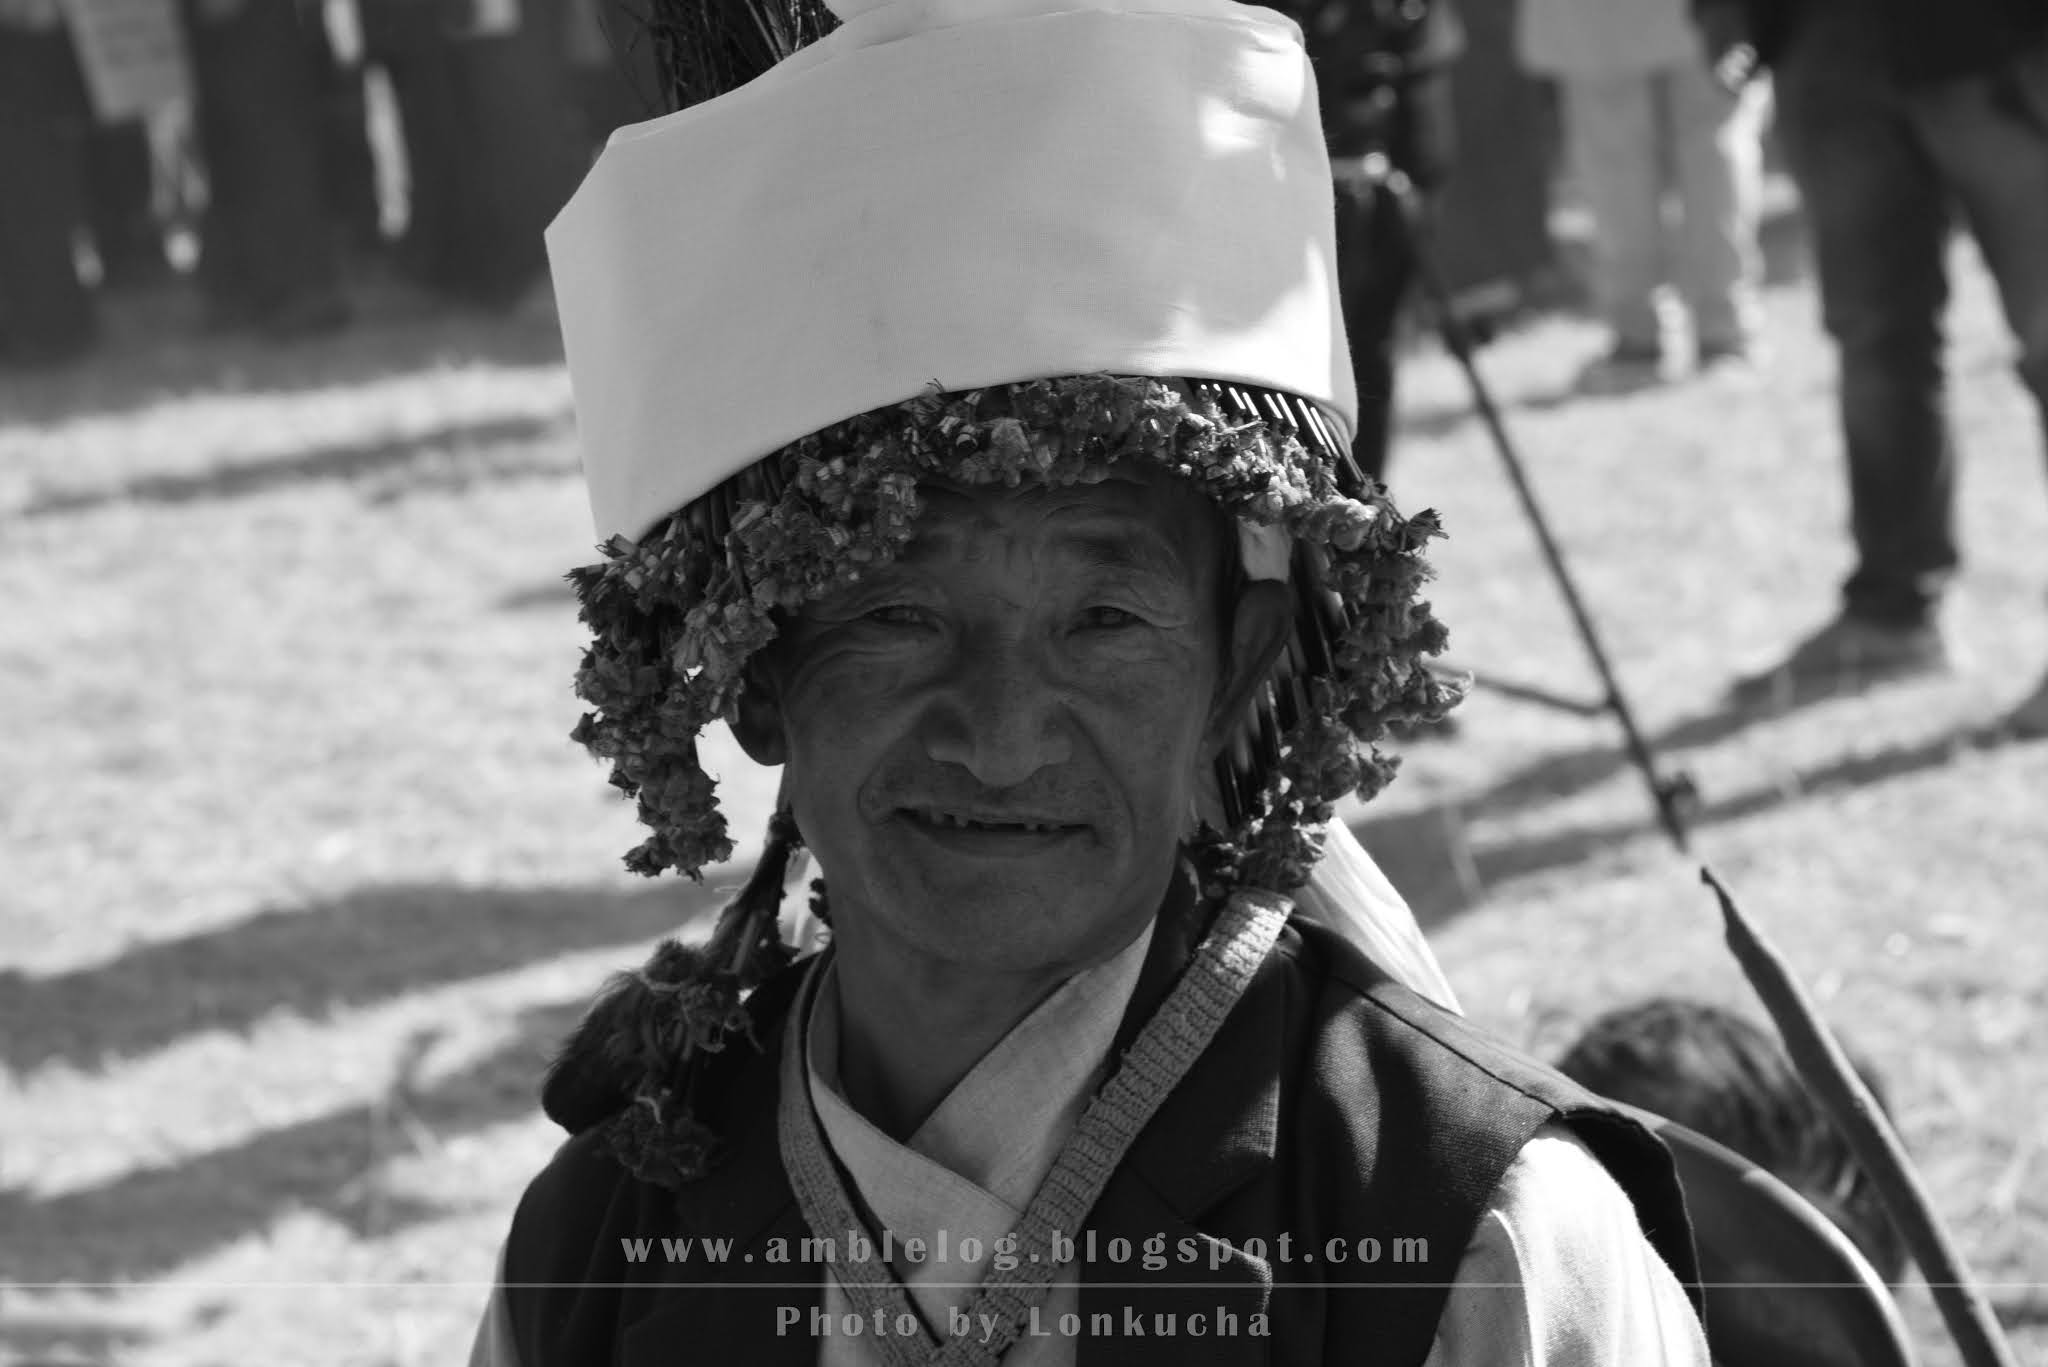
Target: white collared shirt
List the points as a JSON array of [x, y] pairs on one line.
[[977, 1160]]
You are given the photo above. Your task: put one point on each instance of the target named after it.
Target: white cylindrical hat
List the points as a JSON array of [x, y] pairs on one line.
[[949, 193]]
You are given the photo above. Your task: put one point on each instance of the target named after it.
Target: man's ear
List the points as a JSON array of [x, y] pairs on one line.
[[1258, 633], [757, 720]]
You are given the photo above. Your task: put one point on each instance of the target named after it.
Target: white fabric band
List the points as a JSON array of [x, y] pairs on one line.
[[1349, 894], [966, 192]]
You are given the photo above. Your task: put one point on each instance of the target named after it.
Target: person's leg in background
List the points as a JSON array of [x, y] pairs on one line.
[[1611, 140], [259, 92], [46, 315], [222, 221], [522, 154], [1989, 136], [1375, 267], [348, 166], [408, 39], [1717, 155], [121, 205], [491, 141], [1879, 217]]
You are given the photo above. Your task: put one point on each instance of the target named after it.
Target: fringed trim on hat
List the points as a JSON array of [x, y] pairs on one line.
[[677, 616]]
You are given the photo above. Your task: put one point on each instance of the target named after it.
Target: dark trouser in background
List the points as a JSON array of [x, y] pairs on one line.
[[45, 312], [1882, 172], [120, 195], [491, 144], [348, 164], [1375, 270], [268, 239]]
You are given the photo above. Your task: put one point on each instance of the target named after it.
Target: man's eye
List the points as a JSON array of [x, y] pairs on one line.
[[1104, 617]]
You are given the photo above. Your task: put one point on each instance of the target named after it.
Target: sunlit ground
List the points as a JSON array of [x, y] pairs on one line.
[[300, 877]]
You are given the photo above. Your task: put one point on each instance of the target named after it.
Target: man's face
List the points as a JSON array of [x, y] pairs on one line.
[[994, 742]]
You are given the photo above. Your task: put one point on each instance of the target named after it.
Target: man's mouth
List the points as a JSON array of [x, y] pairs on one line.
[[1020, 824]]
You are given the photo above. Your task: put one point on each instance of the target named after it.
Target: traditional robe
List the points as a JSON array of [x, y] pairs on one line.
[[1334, 1104]]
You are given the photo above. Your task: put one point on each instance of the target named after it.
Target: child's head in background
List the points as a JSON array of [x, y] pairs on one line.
[[1721, 1076]]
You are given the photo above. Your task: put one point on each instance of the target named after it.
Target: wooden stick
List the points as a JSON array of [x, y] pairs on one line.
[[1827, 1070]]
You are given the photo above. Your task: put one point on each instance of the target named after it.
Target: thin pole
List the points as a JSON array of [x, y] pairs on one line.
[[1672, 796]]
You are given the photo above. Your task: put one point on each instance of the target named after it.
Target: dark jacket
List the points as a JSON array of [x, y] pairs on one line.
[[1923, 41], [1333, 1102]]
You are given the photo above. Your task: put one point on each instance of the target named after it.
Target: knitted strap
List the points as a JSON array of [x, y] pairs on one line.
[[1163, 1053]]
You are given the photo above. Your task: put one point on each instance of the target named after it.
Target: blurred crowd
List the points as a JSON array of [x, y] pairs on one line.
[[302, 149], [316, 145]]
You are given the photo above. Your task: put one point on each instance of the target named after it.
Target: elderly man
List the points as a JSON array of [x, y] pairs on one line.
[[965, 402]]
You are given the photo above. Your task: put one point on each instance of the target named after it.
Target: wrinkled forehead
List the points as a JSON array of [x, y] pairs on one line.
[[1144, 520]]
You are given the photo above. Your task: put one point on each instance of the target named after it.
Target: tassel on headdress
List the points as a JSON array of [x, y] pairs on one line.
[[642, 1043]]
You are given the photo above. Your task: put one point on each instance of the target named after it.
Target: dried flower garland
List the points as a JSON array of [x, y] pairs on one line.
[[676, 617]]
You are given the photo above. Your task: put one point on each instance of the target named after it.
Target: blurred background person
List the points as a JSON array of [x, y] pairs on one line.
[[1383, 74], [491, 133], [1898, 120], [268, 257], [123, 208], [1643, 119], [355, 179], [1722, 1076], [46, 315]]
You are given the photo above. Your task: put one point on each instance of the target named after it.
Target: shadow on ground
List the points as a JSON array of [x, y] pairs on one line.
[[156, 350], [366, 947], [66, 1341], [1431, 856], [555, 593], [380, 943], [151, 1222], [452, 456]]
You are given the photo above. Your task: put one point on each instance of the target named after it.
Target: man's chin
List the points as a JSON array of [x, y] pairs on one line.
[[1043, 893], [1008, 916]]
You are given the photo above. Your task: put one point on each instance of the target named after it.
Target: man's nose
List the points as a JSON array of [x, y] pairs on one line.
[[997, 715]]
